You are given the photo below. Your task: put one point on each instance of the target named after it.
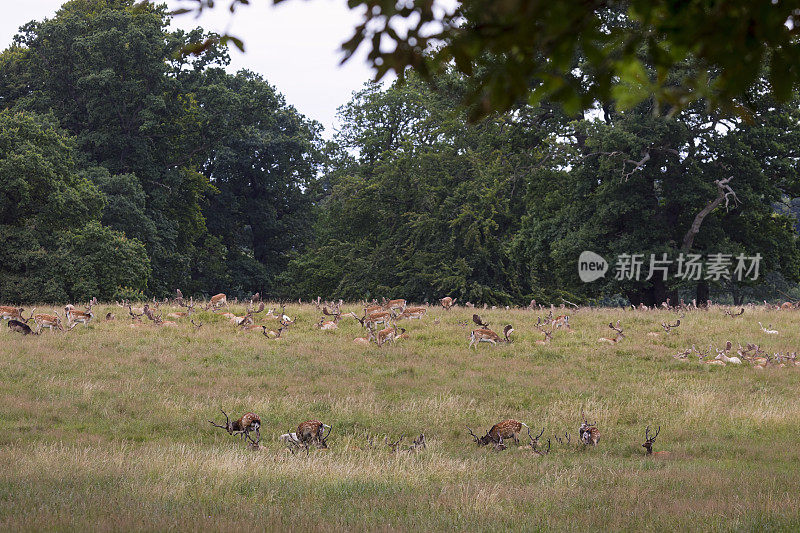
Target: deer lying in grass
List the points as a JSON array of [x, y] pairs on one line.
[[618, 337], [502, 430], [183, 314], [328, 325], [486, 335], [417, 444], [366, 341], [274, 335], [533, 443], [768, 331], [250, 422], [547, 331], [667, 328], [649, 441]]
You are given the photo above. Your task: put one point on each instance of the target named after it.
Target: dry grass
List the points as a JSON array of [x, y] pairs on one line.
[[105, 427]]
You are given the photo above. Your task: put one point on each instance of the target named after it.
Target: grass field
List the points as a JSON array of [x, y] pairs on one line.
[[105, 427]]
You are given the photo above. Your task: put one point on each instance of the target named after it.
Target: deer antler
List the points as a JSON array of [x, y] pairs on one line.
[[198, 326], [474, 436], [227, 421], [647, 436], [479, 321]]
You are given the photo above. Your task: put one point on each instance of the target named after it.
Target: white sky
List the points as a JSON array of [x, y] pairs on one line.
[[294, 45]]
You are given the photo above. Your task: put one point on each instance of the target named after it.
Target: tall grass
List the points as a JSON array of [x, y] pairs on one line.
[[105, 427]]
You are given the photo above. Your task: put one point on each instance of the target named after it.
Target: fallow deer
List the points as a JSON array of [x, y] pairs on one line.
[[73, 315], [399, 304], [183, 314], [379, 317], [308, 433], [242, 427], [768, 331], [589, 433], [448, 302], [412, 312], [486, 335], [217, 301], [547, 329], [8, 312], [47, 321], [366, 341], [502, 430], [561, 321], [649, 441], [19, 327], [618, 337], [533, 442], [328, 325], [389, 334]]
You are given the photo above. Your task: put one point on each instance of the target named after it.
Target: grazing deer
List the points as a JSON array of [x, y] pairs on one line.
[[487, 335], [589, 433], [8, 313], [19, 327], [389, 334], [308, 433], [47, 321], [502, 430], [249, 422], [448, 302], [413, 312], [217, 301], [379, 317], [649, 441], [618, 337], [73, 315], [394, 304]]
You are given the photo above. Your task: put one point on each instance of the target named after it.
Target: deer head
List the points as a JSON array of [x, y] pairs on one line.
[[650, 439]]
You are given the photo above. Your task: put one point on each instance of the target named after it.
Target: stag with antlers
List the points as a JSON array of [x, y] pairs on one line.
[[589, 433], [249, 422], [308, 433], [649, 440], [502, 430], [619, 334]]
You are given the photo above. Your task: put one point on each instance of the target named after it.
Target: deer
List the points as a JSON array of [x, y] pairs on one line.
[[19, 327], [479, 321], [649, 441], [667, 328], [509, 428], [413, 312], [394, 304], [274, 335], [533, 442], [734, 315], [217, 301], [618, 337], [389, 334], [417, 444], [249, 422], [589, 433], [47, 321], [308, 433], [768, 331], [8, 313], [183, 314], [561, 321], [448, 302], [486, 335], [379, 317], [366, 341], [328, 325], [73, 315], [548, 333]]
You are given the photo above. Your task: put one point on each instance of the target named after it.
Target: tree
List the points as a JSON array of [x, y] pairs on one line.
[[527, 49], [54, 248]]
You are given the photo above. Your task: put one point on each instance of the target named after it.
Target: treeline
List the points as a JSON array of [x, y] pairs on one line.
[[128, 168]]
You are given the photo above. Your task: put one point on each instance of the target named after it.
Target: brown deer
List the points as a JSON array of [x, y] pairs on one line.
[[502, 430], [183, 314], [448, 302], [379, 317], [589, 433], [413, 312], [618, 337], [394, 304], [308, 433], [486, 335], [47, 321], [73, 315], [547, 329], [649, 441], [389, 334], [366, 341], [328, 325], [242, 427], [533, 442], [561, 321], [8, 312], [217, 301]]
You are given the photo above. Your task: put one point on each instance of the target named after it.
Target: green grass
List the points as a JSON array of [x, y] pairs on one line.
[[105, 427]]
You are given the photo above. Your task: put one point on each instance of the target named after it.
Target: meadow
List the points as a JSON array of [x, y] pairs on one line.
[[106, 427]]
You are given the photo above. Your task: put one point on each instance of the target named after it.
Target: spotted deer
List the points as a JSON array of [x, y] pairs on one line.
[[8, 313], [217, 301], [589, 433], [390, 305], [76, 316], [618, 337], [486, 335], [308, 433], [47, 321], [502, 430], [250, 422]]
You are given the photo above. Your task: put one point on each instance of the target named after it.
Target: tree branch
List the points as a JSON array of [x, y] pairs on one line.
[[724, 192]]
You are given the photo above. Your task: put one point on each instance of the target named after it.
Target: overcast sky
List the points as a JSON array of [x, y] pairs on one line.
[[295, 45]]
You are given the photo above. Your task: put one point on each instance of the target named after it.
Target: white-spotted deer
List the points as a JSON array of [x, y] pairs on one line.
[[76, 316], [390, 305], [308, 433], [217, 301], [328, 325], [486, 335], [47, 321], [8, 313], [589, 433], [250, 422], [502, 430]]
